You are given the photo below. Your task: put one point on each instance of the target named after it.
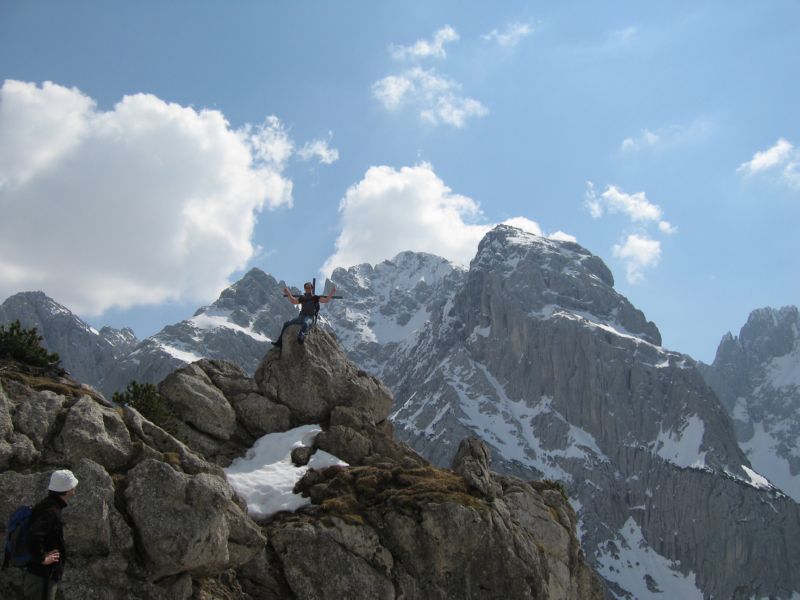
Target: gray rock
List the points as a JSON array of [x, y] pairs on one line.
[[422, 531], [757, 377], [472, 463], [95, 432], [173, 511], [311, 379], [197, 402]]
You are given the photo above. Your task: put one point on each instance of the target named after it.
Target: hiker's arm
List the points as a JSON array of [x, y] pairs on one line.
[[289, 295], [37, 535], [326, 299]]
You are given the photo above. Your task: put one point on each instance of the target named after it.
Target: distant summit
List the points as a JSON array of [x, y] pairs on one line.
[[757, 376], [85, 353]]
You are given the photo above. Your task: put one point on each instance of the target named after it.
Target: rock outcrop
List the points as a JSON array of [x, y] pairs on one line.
[[151, 519], [154, 516]]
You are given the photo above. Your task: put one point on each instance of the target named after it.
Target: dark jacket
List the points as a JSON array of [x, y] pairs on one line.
[[46, 533], [309, 304]]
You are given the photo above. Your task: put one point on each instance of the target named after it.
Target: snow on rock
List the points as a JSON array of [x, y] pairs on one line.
[[682, 447], [634, 566], [265, 476]]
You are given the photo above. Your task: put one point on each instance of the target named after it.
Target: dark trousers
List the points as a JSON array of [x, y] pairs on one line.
[[304, 321], [38, 588]]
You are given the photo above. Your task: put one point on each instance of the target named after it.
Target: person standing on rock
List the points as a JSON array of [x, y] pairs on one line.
[[309, 307], [46, 539]]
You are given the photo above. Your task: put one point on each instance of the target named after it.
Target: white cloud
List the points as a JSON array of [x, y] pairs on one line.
[[426, 48], [511, 36], [144, 203], [563, 237], [320, 149], [438, 99], [668, 136], [667, 227], [636, 206], [767, 159], [645, 139], [525, 224], [782, 157], [390, 211], [592, 202], [639, 253]]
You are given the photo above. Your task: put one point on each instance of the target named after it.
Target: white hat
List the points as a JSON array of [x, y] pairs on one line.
[[62, 481]]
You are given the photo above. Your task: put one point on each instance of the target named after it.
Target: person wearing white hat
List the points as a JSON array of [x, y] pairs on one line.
[[46, 538]]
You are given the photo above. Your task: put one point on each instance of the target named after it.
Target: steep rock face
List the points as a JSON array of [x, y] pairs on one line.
[[143, 503], [87, 354], [563, 378], [757, 377]]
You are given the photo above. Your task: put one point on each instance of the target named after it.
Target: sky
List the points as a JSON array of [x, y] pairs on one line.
[[153, 152]]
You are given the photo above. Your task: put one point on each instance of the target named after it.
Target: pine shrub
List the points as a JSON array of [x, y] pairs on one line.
[[25, 346], [145, 398]]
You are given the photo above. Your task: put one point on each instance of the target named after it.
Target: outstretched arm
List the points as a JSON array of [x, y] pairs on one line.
[[288, 294], [329, 297]]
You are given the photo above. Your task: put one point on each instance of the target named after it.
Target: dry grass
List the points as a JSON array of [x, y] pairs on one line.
[[350, 493]]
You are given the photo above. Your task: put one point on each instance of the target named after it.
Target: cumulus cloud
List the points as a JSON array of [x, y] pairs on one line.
[[783, 159], [438, 98], [512, 35], [639, 253], [423, 49], [321, 150], [144, 203], [636, 206], [393, 210]]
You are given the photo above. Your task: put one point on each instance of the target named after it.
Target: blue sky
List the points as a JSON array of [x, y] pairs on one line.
[[178, 144]]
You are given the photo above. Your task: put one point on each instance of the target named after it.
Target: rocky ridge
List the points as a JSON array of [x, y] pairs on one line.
[[86, 353], [563, 378], [154, 516], [757, 376]]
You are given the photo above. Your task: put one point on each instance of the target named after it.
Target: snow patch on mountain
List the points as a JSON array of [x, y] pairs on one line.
[[265, 477], [629, 561], [682, 447], [211, 319], [186, 356], [762, 450]]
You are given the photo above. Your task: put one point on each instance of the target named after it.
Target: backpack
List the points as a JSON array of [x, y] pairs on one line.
[[16, 550]]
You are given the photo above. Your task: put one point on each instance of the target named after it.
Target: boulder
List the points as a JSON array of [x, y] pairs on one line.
[[96, 432], [313, 378], [198, 402], [188, 523]]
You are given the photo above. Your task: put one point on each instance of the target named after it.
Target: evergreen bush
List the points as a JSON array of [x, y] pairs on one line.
[[25, 345], [145, 398]]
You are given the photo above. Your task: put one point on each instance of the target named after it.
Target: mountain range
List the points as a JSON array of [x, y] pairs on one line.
[[669, 463]]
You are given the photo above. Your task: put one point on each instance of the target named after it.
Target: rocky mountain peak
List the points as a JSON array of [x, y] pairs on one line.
[[548, 276], [771, 332], [757, 377]]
